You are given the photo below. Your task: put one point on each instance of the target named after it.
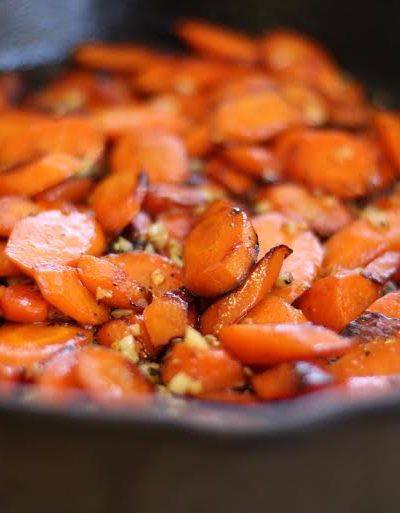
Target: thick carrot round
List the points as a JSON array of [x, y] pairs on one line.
[[254, 160], [165, 318], [73, 189], [273, 310], [7, 266], [388, 305], [12, 210], [267, 344], [219, 250], [232, 307], [233, 180], [61, 287], [53, 238], [387, 125], [22, 303], [383, 268]]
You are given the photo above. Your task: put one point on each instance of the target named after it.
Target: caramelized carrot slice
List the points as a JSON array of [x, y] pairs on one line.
[[161, 156], [372, 325], [383, 268], [117, 199], [155, 272], [254, 117], [387, 125], [324, 214], [194, 370], [165, 318], [178, 223], [73, 189], [309, 102], [268, 344], [34, 178], [30, 344], [256, 161], [162, 197], [7, 266], [388, 305], [53, 238], [219, 250], [216, 41], [273, 229], [336, 300], [233, 307], [336, 163], [110, 284], [233, 180], [273, 309], [22, 303], [12, 210], [107, 376], [363, 240], [61, 287]]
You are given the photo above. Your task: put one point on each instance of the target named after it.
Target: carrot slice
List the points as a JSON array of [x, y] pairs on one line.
[[34, 178], [73, 189], [324, 214], [117, 199], [254, 117], [161, 156], [199, 139], [273, 309], [363, 240], [309, 102], [155, 272], [165, 318], [110, 284], [12, 210], [22, 303], [335, 162], [108, 376], [383, 268], [7, 266], [216, 41], [267, 344], [61, 287], [273, 229], [256, 161], [161, 197], [219, 250], [30, 344], [290, 379], [336, 300], [233, 180], [59, 378], [388, 305], [387, 125], [233, 307], [372, 325], [53, 238], [193, 370]]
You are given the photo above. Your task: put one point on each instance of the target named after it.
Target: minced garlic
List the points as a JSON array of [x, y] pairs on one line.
[[377, 218], [262, 207], [175, 252], [194, 339], [103, 293], [134, 329], [157, 277], [122, 245], [120, 312], [183, 384], [285, 278], [127, 347], [158, 235]]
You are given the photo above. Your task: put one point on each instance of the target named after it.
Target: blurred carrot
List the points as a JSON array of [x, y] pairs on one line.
[[383, 268], [7, 266], [388, 305], [73, 189], [12, 210], [233, 180], [22, 303], [387, 125], [273, 310]]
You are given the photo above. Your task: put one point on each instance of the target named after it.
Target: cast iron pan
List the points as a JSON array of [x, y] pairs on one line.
[[319, 454]]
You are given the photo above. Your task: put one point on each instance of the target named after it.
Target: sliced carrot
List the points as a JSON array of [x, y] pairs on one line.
[[22, 303], [383, 268], [27, 345], [335, 162], [362, 241], [53, 238], [216, 41], [254, 117], [10, 375], [178, 223], [61, 287], [268, 344], [324, 214], [273, 309], [165, 318], [110, 284], [189, 370], [309, 102], [7, 266], [34, 178], [233, 180], [117, 199], [249, 82], [388, 305], [161, 197], [256, 161], [199, 139], [387, 125], [290, 379], [273, 229], [233, 307], [59, 375], [107, 376], [161, 156], [336, 300], [12, 210], [372, 325], [219, 250], [73, 189], [155, 272]]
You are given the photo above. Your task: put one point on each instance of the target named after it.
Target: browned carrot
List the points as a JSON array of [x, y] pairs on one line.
[[165, 318], [219, 250], [12, 210], [256, 161], [61, 287], [59, 380], [233, 307], [53, 238], [74, 189], [22, 303], [267, 344], [383, 268], [233, 180], [273, 309]]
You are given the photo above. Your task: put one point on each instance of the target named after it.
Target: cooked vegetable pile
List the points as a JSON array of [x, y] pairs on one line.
[[222, 224]]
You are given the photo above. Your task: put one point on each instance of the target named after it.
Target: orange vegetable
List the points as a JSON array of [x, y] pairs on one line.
[[273, 309], [161, 197], [387, 125], [388, 305], [59, 376], [62, 288], [256, 161], [383, 268], [22, 303], [267, 344], [53, 238], [7, 267], [336, 300], [219, 250], [73, 189], [12, 210], [165, 318], [229, 396], [233, 180], [233, 307], [110, 284]]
